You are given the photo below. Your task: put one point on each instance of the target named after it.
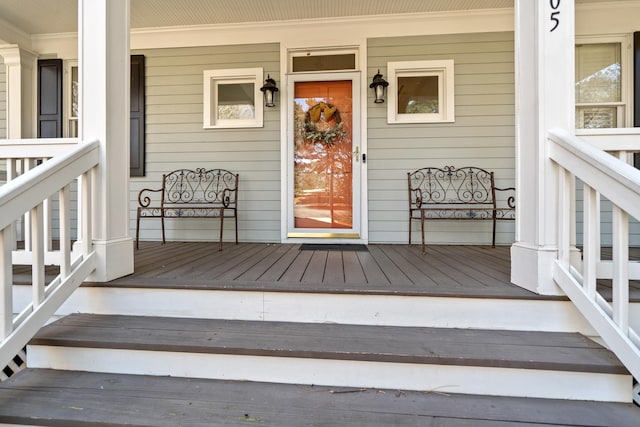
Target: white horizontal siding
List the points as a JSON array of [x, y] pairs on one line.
[[176, 139], [482, 135]]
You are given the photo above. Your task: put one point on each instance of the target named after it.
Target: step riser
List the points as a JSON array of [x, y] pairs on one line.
[[440, 312], [344, 373]]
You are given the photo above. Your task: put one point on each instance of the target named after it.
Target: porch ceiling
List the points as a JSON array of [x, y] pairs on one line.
[[60, 16], [46, 16]]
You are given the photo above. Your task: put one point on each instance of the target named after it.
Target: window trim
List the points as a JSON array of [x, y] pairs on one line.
[[444, 69], [211, 78], [626, 66], [67, 97]]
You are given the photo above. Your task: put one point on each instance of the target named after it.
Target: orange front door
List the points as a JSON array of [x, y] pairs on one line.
[[323, 155]]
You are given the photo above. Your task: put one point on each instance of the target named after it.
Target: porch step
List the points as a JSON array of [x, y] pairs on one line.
[[488, 362], [65, 399]]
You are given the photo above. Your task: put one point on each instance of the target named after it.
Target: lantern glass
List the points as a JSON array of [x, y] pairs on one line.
[[268, 98], [380, 92]]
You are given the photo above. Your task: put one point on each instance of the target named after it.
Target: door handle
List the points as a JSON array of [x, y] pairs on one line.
[[356, 154]]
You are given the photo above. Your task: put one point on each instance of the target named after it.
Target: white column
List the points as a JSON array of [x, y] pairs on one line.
[[20, 65], [544, 57], [103, 44]]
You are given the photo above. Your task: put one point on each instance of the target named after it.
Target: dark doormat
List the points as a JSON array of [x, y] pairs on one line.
[[332, 247]]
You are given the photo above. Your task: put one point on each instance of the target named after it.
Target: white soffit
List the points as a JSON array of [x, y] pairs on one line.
[[60, 16]]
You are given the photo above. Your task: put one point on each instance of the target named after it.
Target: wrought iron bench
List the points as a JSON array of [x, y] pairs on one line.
[[451, 193], [187, 193]]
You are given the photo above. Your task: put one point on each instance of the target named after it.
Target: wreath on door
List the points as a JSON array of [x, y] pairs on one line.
[[322, 124]]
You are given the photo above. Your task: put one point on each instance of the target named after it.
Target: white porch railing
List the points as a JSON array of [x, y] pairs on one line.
[[28, 193], [619, 182]]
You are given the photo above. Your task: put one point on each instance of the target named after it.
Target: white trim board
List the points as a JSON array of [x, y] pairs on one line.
[[340, 373], [388, 310]]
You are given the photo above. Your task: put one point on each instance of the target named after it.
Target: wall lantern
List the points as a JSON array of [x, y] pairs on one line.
[[269, 90], [379, 86]]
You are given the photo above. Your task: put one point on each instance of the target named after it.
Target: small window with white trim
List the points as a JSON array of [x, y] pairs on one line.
[[420, 92], [601, 89], [232, 98]]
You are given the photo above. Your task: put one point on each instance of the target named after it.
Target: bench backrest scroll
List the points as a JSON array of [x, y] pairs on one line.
[[451, 186], [200, 187]]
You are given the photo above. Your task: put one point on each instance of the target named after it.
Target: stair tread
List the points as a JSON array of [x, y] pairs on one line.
[[465, 347], [71, 398]]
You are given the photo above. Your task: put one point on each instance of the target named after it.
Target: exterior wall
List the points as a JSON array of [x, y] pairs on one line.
[[175, 138], [483, 133]]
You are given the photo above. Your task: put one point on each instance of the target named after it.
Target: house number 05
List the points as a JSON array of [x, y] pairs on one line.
[[555, 5]]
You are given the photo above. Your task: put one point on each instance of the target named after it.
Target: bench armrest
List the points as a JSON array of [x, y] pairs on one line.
[[511, 200], [144, 200]]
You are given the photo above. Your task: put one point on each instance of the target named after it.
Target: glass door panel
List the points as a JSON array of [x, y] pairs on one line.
[[324, 180]]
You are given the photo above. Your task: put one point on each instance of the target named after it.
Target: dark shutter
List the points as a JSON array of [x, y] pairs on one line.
[[50, 98], [137, 147]]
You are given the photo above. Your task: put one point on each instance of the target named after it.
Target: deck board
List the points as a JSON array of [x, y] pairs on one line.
[[353, 270], [67, 399], [315, 269]]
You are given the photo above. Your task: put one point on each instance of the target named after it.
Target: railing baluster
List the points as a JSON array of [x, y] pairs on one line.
[[37, 247], [591, 230], [65, 231], [11, 174], [6, 277], [620, 279], [26, 167], [564, 216], [86, 213]]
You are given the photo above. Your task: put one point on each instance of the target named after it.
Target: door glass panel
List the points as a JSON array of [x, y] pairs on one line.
[[323, 173]]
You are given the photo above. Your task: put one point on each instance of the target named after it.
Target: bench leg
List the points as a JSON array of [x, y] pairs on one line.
[[410, 223], [424, 251], [138, 230], [235, 216], [221, 228], [162, 221], [493, 242]]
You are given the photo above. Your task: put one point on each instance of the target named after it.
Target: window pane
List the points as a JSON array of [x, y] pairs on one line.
[[598, 73], [324, 62], [596, 117], [235, 101], [418, 95]]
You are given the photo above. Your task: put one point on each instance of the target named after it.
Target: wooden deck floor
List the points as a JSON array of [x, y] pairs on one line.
[[474, 271], [466, 271]]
